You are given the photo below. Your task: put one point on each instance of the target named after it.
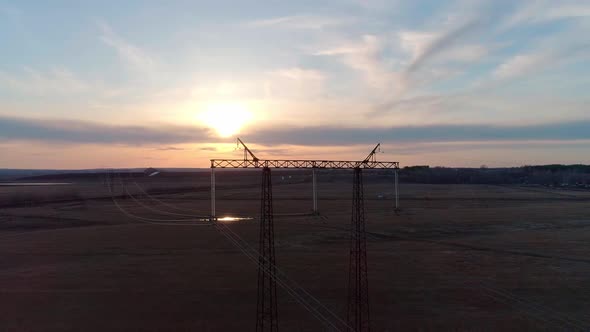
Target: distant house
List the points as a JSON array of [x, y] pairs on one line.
[[151, 172]]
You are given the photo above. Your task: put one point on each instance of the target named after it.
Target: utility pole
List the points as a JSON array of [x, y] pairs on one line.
[[213, 193], [266, 312], [358, 285], [396, 185]]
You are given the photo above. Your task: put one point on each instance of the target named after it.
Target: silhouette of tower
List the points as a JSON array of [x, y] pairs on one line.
[[358, 286], [266, 314]]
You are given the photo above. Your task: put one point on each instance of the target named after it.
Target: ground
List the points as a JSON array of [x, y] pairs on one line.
[[454, 258]]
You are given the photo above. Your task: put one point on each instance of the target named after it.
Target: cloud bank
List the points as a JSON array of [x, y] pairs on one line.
[[80, 132], [84, 132]]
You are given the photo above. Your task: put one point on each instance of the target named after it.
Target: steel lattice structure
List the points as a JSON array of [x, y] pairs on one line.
[[368, 163], [266, 312], [277, 163], [358, 285], [358, 288]]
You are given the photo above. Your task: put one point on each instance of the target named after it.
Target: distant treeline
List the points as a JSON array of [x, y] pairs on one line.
[[554, 175], [548, 175]]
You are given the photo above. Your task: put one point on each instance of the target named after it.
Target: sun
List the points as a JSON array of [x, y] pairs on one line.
[[225, 118]]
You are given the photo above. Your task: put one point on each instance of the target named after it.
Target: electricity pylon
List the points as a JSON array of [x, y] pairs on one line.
[[358, 289], [266, 314], [358, 285]]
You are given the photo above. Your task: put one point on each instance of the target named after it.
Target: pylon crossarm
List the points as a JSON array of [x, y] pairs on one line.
[[278, 163]]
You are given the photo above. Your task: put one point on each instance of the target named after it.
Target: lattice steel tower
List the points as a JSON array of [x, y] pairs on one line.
[[358, 285], [266, 314], [358, 289]]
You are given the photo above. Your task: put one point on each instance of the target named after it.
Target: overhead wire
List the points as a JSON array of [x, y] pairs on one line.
[[539, 311], [536, 311], [153, 221], [151, 197], [252, 254], [151, 208], [245, 243], [255, 256], [280, 272]]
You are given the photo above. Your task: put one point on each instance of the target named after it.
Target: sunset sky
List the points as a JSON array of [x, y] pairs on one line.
[[172, 83]]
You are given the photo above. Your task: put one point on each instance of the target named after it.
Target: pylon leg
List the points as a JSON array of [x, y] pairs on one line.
[[358, 286], [266, 314]]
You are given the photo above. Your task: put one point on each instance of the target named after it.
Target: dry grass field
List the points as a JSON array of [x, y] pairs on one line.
[[455, 258]]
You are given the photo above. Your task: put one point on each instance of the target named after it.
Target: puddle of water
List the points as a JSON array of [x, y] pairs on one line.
[[233, 219]]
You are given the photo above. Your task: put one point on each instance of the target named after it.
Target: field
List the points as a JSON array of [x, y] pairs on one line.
[[454, 258]]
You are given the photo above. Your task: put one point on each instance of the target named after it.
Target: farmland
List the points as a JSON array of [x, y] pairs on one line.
[[455, 257]]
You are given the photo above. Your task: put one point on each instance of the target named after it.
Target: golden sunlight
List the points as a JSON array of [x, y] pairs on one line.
[[226, 118]]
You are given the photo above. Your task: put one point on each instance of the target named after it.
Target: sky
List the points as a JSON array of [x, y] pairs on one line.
[[172, 83]]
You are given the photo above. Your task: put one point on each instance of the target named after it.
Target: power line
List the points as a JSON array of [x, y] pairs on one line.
[[277, 275]]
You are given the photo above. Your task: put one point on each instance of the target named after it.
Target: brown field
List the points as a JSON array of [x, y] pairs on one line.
[[455, 258]]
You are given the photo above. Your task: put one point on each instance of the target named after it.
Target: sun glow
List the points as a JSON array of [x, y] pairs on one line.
[[226, 118]]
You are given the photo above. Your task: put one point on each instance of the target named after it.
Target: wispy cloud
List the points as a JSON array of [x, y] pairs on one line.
[[520, 64], [433, 46], [56, 80], [365, 57], [294, 83], [301, 22], [170, 148], [542, 11], [462, 44], [299, 74], [131, 54], [539, 60], [400, 66], [421, 45]]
